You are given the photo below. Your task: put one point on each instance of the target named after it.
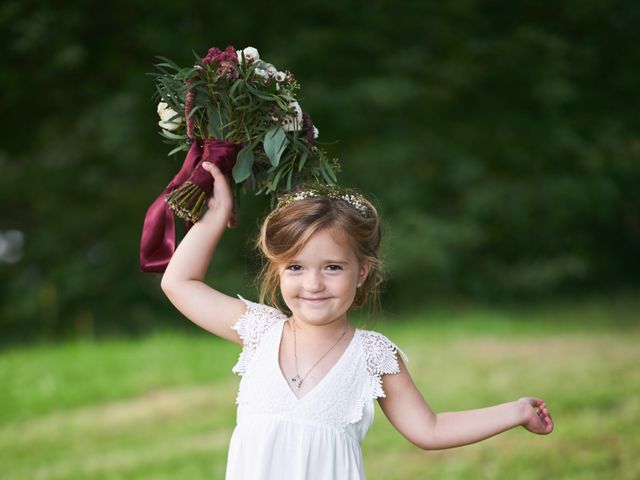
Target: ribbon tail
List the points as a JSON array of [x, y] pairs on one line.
[[187, 194], [158, 240], [158, 237]]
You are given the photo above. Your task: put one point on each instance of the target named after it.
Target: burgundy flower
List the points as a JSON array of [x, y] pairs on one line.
[[188, 106], [227, 70], [218, 56], [229, 55], [307, 125], [211, 56]]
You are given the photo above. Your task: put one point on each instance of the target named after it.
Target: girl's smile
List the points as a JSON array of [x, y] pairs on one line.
[[319, 283]]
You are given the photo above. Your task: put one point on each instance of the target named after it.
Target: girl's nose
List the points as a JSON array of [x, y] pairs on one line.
[[313, 282]]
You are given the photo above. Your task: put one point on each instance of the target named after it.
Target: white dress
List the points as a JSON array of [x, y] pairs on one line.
[[279, 436]]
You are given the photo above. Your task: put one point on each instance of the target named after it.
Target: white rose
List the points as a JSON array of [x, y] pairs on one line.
[[172, 125], [289, 124], [280, 76], [316, 132], [295, 106], [250, 55], [167, 114], [271, 70], [293, 122], [162, 106], [169, 119]]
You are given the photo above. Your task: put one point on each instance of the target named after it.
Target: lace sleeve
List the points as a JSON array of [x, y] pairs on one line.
[[251, 327], [381, 357]]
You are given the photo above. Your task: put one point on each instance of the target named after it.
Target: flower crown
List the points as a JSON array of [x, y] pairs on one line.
[[353, 198]]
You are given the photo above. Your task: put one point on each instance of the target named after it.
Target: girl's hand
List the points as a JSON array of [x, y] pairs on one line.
[[222, 202], [536, 416]]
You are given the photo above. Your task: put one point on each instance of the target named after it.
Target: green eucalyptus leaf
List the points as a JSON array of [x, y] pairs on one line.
[[324, 173], [167, 68], [289, 177], [303, 160], [166, 60], [244, 164], [330, 172], [234, 87], [275, 141], [213, 125], [264, 96], [171, 135], [194, 110], [283, 106], [276, 180], [179, 148]]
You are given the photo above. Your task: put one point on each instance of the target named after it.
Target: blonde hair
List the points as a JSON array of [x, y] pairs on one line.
[[287, 229]]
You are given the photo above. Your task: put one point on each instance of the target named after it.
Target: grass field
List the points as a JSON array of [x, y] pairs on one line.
[[162, 407]]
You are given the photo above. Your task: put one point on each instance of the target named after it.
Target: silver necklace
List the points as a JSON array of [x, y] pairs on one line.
[[298, 380]]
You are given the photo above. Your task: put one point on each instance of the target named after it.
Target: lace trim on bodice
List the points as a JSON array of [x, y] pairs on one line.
[[339, 400], [256, 320], [381, 357]]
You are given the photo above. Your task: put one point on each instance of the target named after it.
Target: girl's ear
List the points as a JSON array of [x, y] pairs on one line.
[[364, 271]]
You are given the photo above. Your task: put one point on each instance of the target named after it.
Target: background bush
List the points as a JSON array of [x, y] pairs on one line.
[[500, 141]]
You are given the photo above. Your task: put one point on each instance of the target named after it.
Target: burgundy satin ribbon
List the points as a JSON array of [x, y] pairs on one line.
[[159, 230]]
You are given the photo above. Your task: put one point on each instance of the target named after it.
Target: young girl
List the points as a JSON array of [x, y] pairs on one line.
[[309, 379]]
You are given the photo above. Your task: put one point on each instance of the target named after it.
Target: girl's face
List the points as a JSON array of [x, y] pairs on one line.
[[319, 283]]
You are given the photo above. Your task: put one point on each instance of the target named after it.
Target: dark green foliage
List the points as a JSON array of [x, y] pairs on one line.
[[499, 139]]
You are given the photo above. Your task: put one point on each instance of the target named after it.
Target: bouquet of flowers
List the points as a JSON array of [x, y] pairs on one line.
[[240, 112]]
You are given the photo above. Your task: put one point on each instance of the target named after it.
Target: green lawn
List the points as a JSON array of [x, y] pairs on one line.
[[163, 407]]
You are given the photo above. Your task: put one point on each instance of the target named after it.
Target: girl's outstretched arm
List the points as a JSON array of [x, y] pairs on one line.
[[182, 281], [410, 414]]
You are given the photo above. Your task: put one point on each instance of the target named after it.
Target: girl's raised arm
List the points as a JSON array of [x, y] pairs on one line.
[[182, 281], [410, 414]]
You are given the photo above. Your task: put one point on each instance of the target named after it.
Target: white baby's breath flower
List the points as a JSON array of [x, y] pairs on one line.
[[250, 55], [316, 132], [280, 76], [261, 72], [293, 122]]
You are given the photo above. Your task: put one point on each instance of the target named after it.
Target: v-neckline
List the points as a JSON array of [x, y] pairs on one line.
[[323, 379]]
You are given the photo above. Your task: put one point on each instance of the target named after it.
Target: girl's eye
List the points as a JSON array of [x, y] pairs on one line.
[[334, 268], [294, 268]]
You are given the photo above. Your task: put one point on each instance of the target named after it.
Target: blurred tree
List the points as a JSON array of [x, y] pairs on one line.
[[499, 139]]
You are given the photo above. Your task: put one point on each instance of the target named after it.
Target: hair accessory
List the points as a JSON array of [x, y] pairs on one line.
[[353, 198]]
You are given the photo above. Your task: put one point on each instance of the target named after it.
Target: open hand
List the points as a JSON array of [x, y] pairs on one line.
[[537, 418], [222, 201]]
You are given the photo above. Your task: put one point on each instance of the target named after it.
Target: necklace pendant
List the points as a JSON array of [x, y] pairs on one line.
[[298, 381]]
